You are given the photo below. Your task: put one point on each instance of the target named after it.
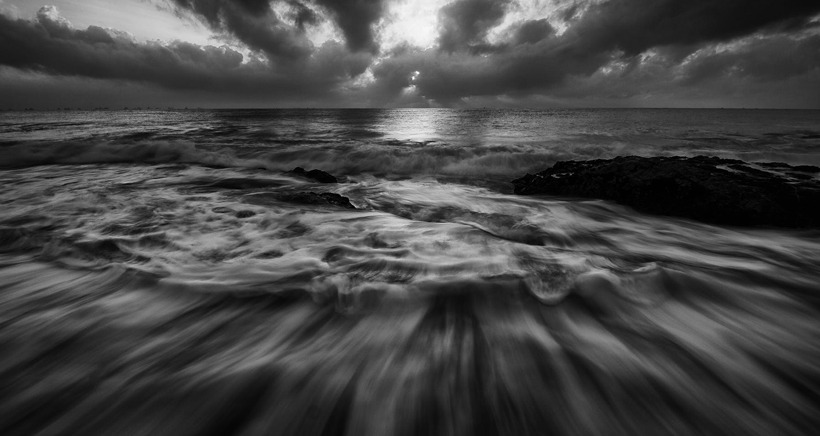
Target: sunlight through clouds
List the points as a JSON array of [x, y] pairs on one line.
[[448, 53], [414, 22]]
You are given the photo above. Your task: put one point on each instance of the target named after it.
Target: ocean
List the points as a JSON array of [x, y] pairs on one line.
[[155, 278]]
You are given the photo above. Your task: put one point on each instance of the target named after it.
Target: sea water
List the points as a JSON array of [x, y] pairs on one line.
[[153, 281]]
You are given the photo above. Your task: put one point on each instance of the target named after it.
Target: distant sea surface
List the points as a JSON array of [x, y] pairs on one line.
[[155, 278]]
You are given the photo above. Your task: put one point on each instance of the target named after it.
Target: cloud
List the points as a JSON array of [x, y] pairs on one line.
[[50, 45], [487, 50], [254, 23], [634, 26], [764, 59], [303, 15], [533, 31], [465, 23], [745, 74], [356, 19], [535, 59], [9, 10]]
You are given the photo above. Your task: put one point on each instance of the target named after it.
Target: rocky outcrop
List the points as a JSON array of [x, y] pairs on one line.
[[709, 189], [317, 175]]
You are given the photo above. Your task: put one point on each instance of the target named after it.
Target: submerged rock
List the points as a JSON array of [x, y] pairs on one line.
[[320, 198], [317, 175], [323, 198], [709, 189], [245, 214], [245, 183]]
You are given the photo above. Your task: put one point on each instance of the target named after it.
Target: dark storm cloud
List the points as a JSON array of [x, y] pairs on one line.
[[772, 71], [637, 25], [303, 15], [776, 58], [607, 49], [533, 58], [212, 10], [254, 23], [531, 32], [356, 19], [50, 45], [465, 23]]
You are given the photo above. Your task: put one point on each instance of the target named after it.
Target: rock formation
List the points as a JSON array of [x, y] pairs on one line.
[[709, 189], [317, 175]]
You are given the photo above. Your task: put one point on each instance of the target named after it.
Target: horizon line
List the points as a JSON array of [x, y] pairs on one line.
[[202, 108]]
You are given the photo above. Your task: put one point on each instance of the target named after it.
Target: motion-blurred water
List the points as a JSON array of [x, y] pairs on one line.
[[152, 280]]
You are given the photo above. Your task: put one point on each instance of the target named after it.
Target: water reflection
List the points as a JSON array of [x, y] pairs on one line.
[[419, 125]]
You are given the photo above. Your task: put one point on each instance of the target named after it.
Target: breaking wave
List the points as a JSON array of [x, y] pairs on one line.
[[405, 160], [173, 286]]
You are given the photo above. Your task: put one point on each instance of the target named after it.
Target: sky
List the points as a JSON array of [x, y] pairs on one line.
[[410, 53]]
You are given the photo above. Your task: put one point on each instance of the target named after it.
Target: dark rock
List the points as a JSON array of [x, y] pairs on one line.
[[245, 183], [270, 254], [709, 189], [807, 168], [323, 198], [801, 176], [317, 175], [245, 214]]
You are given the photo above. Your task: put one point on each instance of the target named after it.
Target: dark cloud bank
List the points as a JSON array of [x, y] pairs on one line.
[[595, 53]]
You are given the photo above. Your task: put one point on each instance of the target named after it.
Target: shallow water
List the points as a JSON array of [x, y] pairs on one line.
[[152, 281]]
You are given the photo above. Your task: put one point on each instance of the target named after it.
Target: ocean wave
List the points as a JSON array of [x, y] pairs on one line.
[[144, 283], [92, 152], [337, 159], [406, 159]]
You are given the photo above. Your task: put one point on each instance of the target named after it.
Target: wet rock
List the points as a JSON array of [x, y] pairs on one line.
[[245, 214], [320, 198], [270, 254], [245, 183], [709, 189], [317, 175], [807, 169]]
